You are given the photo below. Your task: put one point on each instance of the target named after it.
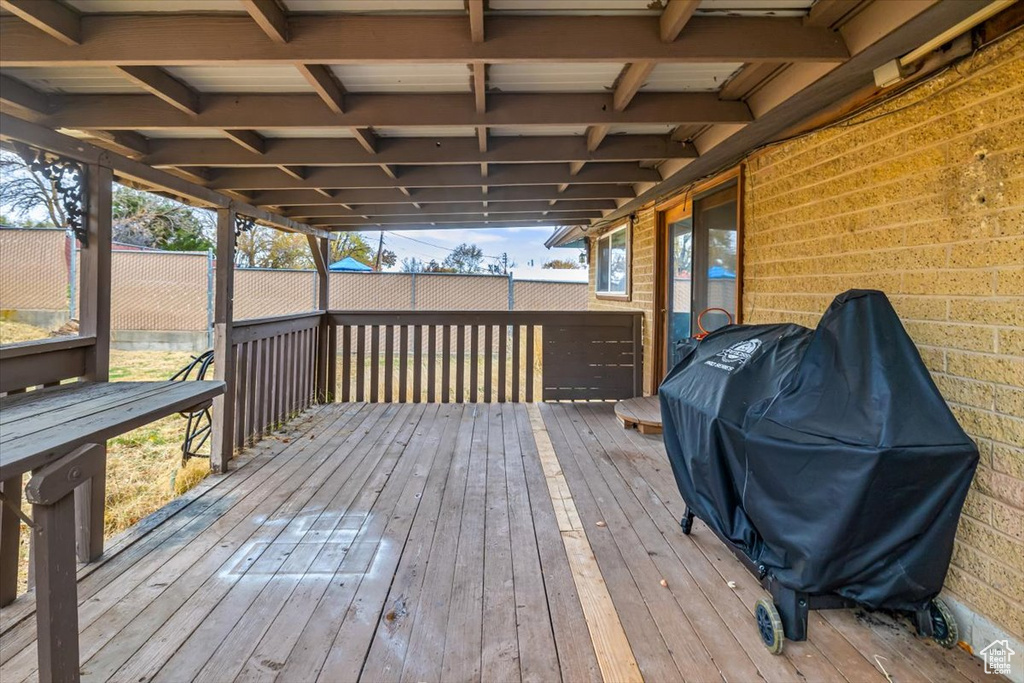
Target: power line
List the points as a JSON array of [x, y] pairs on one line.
[[435, 246]]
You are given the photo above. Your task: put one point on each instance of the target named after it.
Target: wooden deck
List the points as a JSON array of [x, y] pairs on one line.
[[421, 543]]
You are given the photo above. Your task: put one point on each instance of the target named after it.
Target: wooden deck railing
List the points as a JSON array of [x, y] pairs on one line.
[[502, 356], [275, 371]]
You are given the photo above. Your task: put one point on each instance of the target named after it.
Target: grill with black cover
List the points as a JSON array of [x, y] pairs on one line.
[[826, 459]]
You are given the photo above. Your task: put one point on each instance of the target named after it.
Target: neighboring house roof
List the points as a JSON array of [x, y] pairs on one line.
[[350, 265]]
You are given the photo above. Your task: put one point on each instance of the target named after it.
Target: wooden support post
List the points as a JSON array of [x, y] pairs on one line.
[[10, 531], [324, 359], [223, 357], [94, 320]]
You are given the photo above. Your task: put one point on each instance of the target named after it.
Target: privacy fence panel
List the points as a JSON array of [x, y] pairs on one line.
[[536, 295], [260, 293], [158, 291], [372, 291], [33, 270], [438, 292]]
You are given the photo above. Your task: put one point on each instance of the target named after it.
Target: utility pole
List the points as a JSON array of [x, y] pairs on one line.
[[380, 248]]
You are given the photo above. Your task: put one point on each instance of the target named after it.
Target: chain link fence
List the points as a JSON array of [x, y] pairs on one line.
[[162, 291]]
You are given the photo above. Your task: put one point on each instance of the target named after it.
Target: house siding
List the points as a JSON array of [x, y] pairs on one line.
[[922, 197]]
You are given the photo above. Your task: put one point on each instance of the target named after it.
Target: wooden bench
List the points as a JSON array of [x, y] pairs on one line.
[[57, 434]]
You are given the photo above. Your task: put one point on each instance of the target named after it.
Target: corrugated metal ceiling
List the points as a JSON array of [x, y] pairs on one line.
[[669, 77], [81, 80], [553, 77], [235, 79], [409, 78]]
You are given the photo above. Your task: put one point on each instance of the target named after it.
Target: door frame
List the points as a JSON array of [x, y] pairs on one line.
[[670, 211]]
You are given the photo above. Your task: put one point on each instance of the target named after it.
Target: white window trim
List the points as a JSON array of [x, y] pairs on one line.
[[612, 294]]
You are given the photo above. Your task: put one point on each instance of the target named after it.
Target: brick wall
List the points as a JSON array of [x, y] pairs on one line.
[[923, 198], [641, 280]]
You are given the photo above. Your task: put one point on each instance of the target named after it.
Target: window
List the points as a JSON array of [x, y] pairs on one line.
[[613, 263]]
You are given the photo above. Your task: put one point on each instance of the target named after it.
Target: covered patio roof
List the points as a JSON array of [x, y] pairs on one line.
[[352, 114]]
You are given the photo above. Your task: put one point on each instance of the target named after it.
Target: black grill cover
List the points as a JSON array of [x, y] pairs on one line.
[[826, 455]]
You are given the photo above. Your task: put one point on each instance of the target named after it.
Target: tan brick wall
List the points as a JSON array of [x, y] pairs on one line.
[[923, 198], [641, 281]]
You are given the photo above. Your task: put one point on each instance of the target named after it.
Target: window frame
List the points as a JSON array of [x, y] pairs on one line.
[[624, 295]]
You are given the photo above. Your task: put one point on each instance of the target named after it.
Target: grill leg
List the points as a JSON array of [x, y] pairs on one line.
[[686, 523], [793, 607]]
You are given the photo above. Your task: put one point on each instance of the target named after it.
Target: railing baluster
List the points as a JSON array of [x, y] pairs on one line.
[[515, 363], [403, 363], [530, 362], [241, 380], [360, 362], [253, 397], [346, 363], [502, 360], [446, 363], [460, 367], [374, 363], [431, 363], [488, 361], [389, 362], [332, 363], [417, 363], [474, 363]]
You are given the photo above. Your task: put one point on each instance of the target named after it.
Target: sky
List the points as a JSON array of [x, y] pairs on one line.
[[525, 246]]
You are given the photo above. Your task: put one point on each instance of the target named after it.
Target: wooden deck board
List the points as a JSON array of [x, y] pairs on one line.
[[421, 542]]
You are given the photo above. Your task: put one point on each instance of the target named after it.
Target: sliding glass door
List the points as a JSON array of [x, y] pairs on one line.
[[700, 269]]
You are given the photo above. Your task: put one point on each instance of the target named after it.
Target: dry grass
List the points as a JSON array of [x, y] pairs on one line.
[[12, 332], [144, 469]]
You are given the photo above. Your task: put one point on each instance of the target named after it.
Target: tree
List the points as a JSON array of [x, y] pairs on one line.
[[465, 258], [139, 218], [562, 264], [411, 264], [264, 247], [24, 193], [148, 220]]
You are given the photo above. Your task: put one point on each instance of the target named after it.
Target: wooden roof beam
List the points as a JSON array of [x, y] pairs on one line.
[[126, 142], [476, 20], [595, 135], [137, 112], [271, 19], [674, 17], [520, 193], [827, 13], [163, 85], [322, 79], [433, 176], [297, 172], [479, 86], [17, 94], [14, 129], [247, 139], [489, 223], [629, 83], [366, 137], [325, 210], [54, 18], [156, 39], [481, 138], [414, 151], [468, 218]]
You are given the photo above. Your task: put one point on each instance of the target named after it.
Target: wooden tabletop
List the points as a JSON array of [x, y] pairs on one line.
[[38, 426]]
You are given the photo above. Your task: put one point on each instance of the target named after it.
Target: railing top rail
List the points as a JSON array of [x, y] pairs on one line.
[[38, 346], [484, 317], [252, 322]]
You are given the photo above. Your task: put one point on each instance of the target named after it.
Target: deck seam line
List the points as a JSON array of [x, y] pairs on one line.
[[614, 653]]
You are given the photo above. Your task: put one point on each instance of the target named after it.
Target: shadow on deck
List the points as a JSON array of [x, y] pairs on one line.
[[421, 542]]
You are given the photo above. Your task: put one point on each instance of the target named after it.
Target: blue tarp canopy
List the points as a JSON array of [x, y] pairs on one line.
[[349, 265]]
